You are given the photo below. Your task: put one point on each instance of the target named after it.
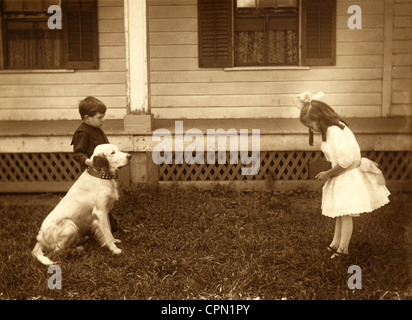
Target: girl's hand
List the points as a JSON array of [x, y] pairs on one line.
[[322, 176]]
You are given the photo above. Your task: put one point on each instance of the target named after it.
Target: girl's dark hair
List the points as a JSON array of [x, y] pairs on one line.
[[91, 106], [321, 113]]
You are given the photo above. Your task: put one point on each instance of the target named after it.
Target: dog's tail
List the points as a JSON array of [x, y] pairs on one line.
[[39, 255]]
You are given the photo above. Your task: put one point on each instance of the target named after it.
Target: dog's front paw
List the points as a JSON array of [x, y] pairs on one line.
[[117, 251]]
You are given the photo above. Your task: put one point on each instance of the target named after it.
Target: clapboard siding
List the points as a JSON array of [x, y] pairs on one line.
[[62, 90], [259, 76], [267, 100], [402, 59], [30, 104], [52, 114], [264, 88], [264, 112], [68, 79], [180, 89], [56, 95]]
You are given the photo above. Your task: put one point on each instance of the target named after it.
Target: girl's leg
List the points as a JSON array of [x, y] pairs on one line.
[[346, 234], [336, 237]]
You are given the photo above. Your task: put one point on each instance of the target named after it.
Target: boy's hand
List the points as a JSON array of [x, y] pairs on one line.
[[88, 163]]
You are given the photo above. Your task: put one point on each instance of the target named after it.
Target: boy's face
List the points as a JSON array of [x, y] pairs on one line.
[[95, 121]]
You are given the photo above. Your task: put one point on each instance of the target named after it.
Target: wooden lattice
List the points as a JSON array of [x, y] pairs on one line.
[[281, 165], [38, 167], [395, 165], [49, 168]]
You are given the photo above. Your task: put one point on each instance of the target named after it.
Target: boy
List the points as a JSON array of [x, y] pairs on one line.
[[88, 135]]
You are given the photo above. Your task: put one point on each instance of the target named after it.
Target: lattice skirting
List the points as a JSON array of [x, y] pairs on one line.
[[48, 172], [38, 167], [37, 172], [282, 165]]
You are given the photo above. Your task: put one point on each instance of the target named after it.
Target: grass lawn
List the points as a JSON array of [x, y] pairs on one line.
[[218, 244]]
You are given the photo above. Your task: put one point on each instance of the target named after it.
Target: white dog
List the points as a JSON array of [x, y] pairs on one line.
[[85, 206]]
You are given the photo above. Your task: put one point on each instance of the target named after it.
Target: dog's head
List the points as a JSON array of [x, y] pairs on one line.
[[108, 158]]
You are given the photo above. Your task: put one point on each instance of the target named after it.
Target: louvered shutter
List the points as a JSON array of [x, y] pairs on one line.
[[80, 21], [215, 33], [318, 32]]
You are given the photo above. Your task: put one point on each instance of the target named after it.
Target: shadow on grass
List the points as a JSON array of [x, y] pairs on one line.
[[217, 244]]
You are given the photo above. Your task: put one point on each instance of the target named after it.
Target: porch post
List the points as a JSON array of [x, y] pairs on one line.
[[387, 59], [136, 55]]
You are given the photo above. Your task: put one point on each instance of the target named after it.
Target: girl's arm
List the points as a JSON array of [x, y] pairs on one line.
[[325, 175], [345, 157], [336, 170]]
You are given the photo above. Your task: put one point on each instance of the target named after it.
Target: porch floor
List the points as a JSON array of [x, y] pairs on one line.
[[401, 125]]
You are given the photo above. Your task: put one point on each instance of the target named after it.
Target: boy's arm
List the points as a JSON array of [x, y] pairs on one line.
[[80, 141]]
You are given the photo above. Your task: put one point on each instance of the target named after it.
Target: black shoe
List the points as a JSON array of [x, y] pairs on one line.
[[331, 249]]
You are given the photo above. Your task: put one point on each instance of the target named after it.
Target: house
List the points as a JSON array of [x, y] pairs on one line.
[[224, 67]]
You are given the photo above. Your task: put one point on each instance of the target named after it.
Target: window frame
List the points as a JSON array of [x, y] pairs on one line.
[[267, 15], [214, 54], [66, 44]]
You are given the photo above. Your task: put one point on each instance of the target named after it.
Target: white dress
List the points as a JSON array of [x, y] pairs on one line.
[[357, 190]]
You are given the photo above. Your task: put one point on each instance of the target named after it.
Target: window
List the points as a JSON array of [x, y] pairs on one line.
[[28, 43], [266, 32]]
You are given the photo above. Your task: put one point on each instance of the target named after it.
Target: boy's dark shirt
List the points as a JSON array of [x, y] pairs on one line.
[[85, 139]]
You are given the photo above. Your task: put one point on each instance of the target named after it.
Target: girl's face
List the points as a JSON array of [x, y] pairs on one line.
[[313, 125], [95, 121]]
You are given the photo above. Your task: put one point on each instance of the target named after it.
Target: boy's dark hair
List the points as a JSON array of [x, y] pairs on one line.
[[91, 106], [323, 114]]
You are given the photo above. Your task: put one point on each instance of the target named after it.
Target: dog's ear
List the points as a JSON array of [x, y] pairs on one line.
[[100, 163]]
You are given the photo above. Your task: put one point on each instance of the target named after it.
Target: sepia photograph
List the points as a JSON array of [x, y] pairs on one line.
[[206, 158]]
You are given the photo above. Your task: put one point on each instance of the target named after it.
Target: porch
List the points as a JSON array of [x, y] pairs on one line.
[[36, 156]]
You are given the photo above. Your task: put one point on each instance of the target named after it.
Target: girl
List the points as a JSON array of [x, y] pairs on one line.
[[353, 185]]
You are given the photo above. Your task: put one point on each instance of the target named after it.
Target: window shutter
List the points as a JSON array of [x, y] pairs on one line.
[[215, 33], [318, 32], [80, 21]]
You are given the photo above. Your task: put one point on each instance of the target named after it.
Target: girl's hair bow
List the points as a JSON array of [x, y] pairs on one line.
[[306, 97]]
